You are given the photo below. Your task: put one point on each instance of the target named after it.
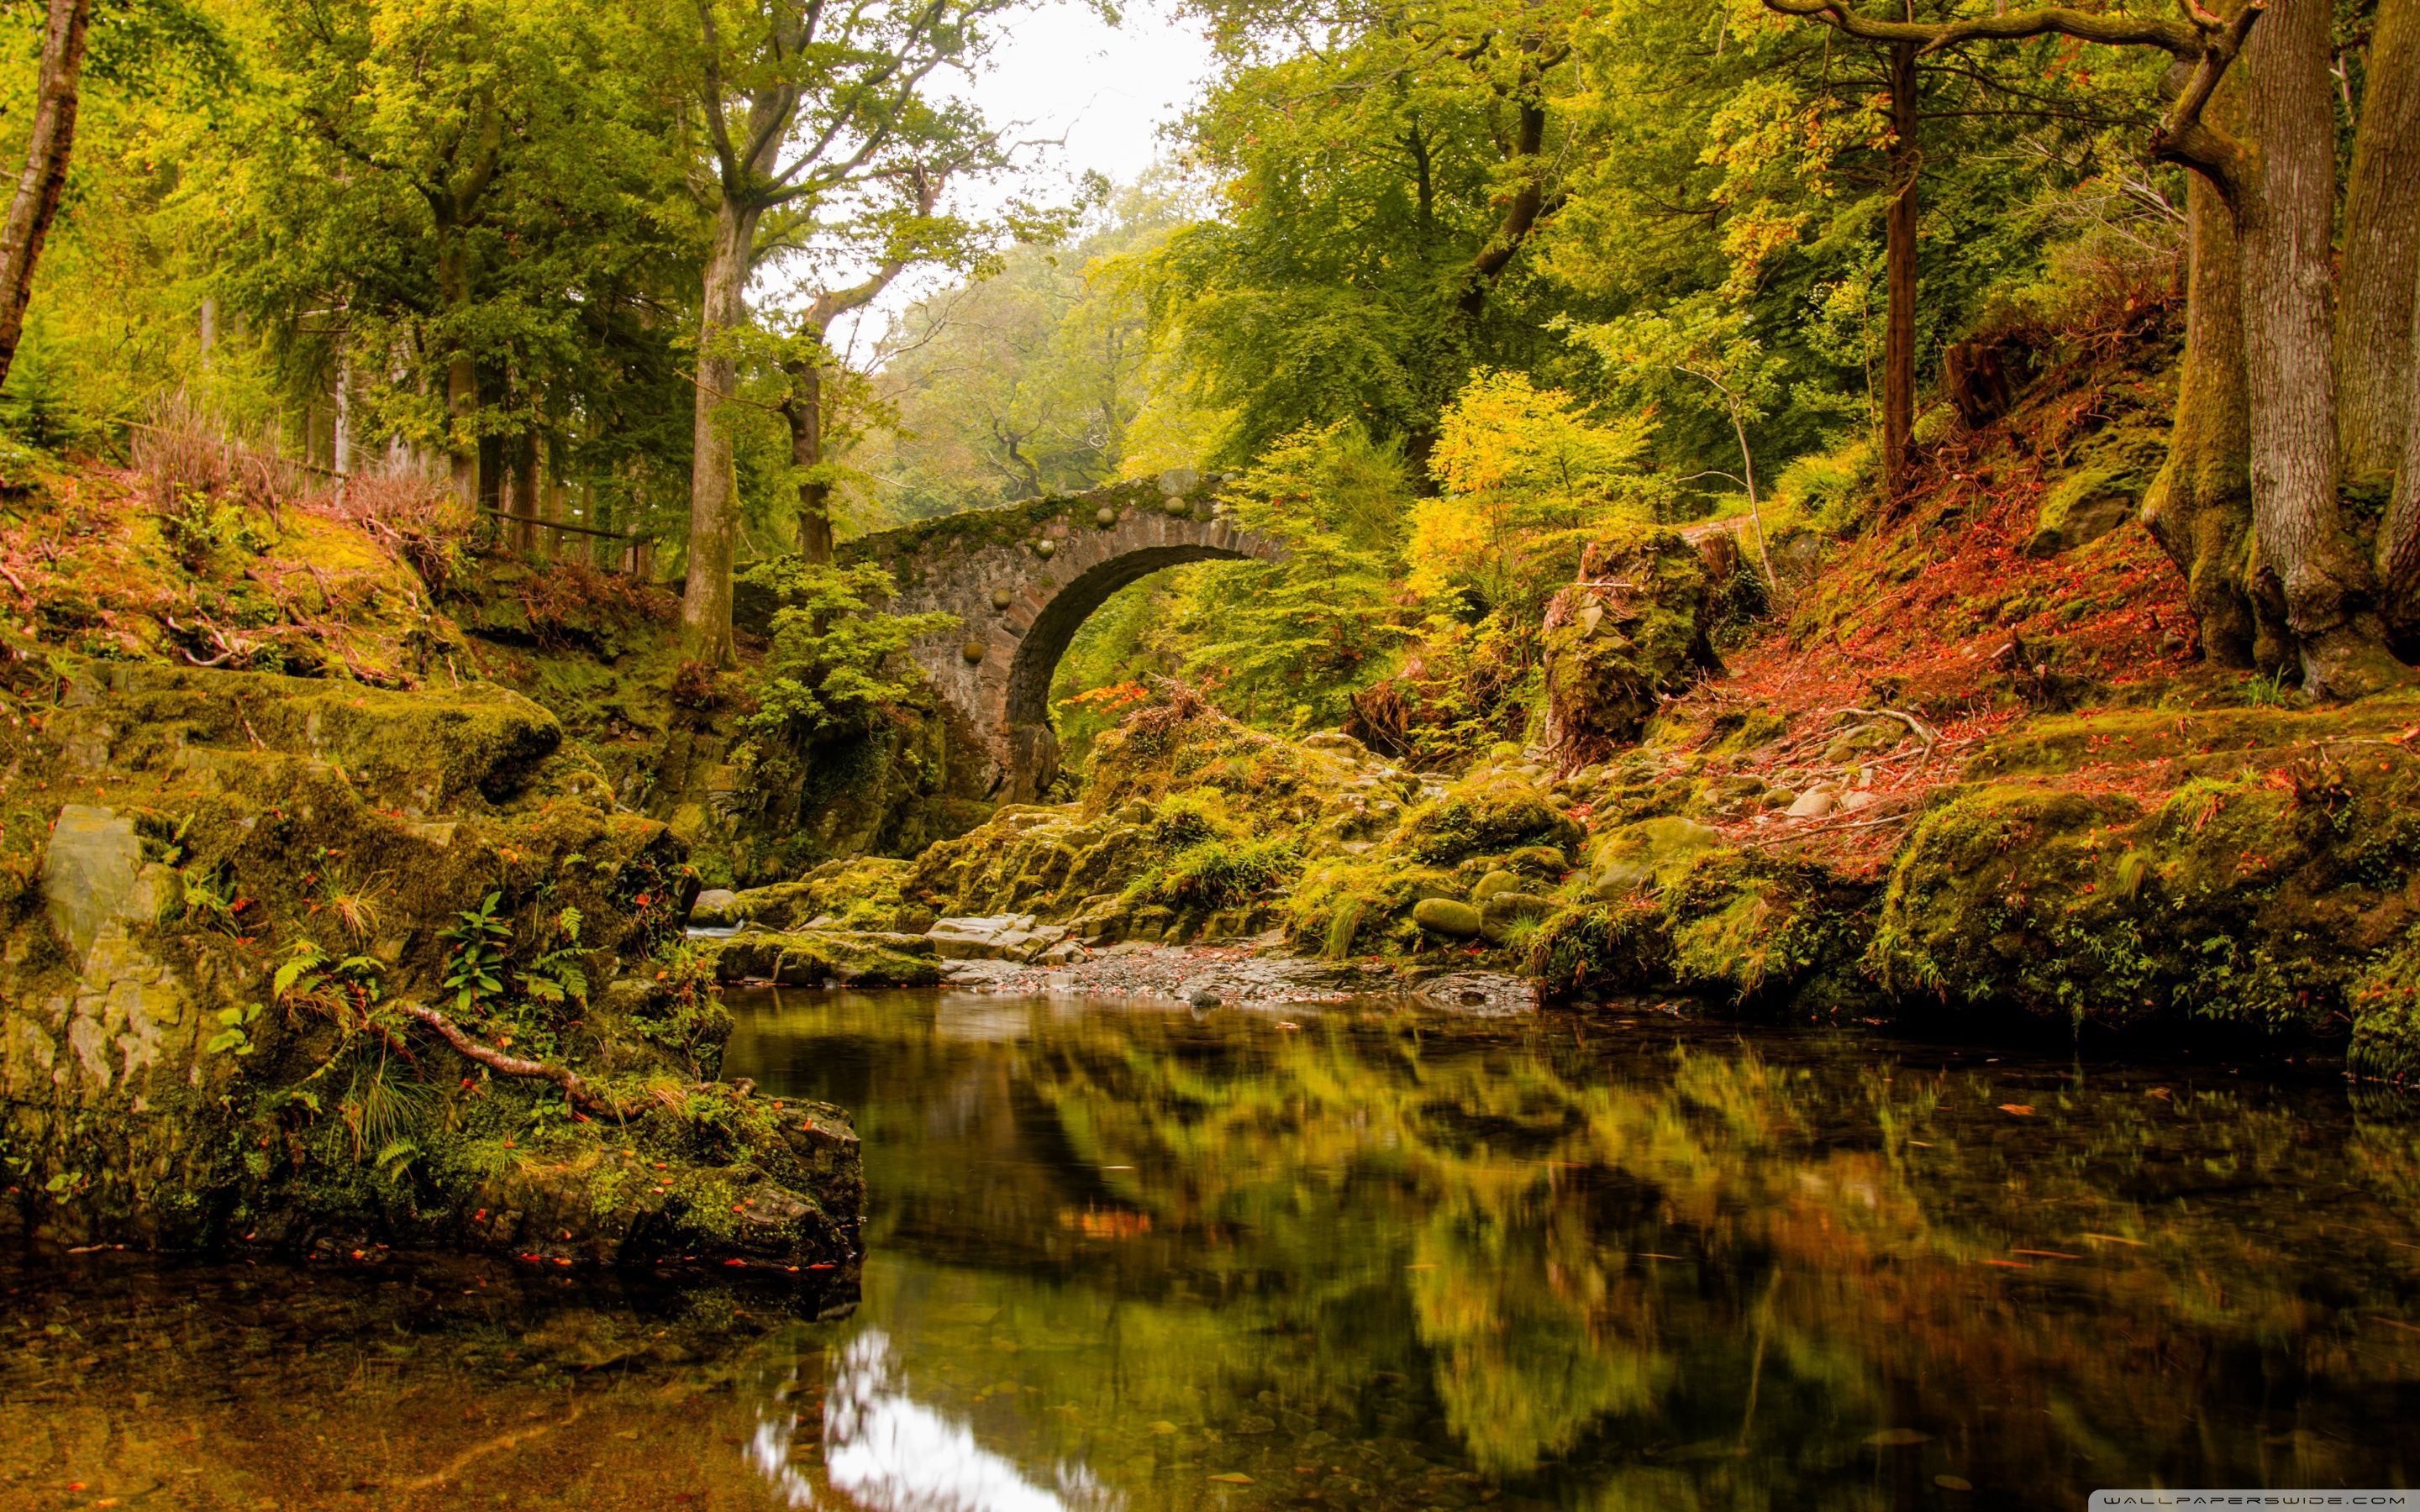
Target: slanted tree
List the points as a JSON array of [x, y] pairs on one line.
[[48, 149]]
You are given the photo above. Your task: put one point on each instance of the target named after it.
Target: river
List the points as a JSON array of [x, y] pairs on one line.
[[1126, 1256]]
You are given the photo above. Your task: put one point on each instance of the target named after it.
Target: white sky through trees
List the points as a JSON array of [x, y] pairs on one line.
[[1058, 73]]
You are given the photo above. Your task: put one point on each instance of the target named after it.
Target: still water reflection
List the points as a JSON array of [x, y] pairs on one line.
[[1142, 1259]]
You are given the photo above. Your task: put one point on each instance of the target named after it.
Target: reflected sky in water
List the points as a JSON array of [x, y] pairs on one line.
[[886, 1452]]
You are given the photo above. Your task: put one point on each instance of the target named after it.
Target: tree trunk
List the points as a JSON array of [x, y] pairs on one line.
[[804, 410], [2285, 217], [341, 441], [44, 168], [2200, 508], [2381, 255], [525, 532], [2398, 536], [714, 483], [45, 178], [1522, 208], [488, 457], [1898, 331], [461, 374]]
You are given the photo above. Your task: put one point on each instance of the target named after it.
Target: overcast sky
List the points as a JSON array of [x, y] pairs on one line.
[[1061, 72]]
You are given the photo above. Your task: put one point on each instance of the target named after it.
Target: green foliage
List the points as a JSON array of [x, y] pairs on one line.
[[1220, 874], [1044, 376], [1285, 644], [234, 1033], [475, 953], [835, 666], [213, 899], [555, 976], [199, 527], [342, 990]]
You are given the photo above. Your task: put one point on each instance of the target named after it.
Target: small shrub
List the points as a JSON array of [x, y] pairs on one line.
[[418, 516], [183, 454], [1218, 873]]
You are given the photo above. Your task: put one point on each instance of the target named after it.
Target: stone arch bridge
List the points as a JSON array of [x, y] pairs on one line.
[[1022, 579]]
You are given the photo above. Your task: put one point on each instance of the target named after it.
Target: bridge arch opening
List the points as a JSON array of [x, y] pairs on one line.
[[1032, 737]]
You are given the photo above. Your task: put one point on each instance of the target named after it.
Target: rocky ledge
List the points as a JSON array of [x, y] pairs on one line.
[[305, 964]]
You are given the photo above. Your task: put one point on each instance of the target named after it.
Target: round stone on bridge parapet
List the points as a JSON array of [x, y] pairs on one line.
[[1045, 548], [1001, 598], [1105, 517], [973, 650]]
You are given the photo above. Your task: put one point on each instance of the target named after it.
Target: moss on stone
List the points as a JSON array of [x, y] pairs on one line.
[[1446, 917], [2385, 1001], [809, 958], [1634, 626], [1600, 949], [2252, 899], [1490, 814], [246, 1068]]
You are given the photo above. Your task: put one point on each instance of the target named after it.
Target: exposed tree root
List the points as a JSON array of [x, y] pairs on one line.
[[575, 1087], [1915, 726]]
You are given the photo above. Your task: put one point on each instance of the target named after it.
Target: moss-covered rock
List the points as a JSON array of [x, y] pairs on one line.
[[1445, 915], [1633, 628], [1644, 854], [2085, 506], [1749, 927], [1600, 949], [1355, 905], [1491, 813], [2255, 898], [809, 958], [390, 966]]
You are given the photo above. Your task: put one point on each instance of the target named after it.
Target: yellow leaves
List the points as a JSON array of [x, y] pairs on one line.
[[1518, 464], [1753, 237], [1503, 432], [1450, 539]]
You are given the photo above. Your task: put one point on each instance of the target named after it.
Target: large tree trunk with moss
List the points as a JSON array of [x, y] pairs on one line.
[[2381, 256], [461, 372], [2200, 508], [45, 178], [2398, 536], [2284, 223], [714, 483]]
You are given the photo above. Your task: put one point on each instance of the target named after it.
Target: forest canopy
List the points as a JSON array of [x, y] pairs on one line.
[[1440, 286]]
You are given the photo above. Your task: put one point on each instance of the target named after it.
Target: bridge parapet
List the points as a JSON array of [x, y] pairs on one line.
[[1022, 577]]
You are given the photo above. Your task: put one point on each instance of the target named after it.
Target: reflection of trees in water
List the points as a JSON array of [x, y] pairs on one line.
[[1705, 1267]]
